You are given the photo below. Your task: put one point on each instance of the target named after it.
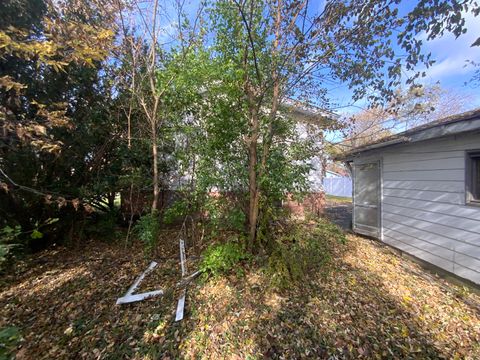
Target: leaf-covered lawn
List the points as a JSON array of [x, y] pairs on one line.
[[369, 303], [63, 301]]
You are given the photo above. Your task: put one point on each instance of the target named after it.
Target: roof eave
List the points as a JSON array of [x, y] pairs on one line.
[[449, 128]]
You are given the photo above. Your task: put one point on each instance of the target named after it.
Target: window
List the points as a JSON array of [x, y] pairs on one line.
[[473, 177]]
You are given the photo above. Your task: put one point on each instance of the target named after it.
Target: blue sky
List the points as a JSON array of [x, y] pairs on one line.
[[451, 55], [450, 70]]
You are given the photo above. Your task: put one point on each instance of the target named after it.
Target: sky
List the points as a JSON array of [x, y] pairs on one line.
[[451, 54], [450, 69]]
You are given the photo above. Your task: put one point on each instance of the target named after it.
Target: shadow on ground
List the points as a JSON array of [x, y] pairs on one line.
[[365, 305], [340, 213], [64, 302]]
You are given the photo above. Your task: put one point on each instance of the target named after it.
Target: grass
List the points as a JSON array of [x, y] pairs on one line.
[[338, 199], [368, 303]]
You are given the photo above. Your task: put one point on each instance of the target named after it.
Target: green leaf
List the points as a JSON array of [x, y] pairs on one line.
[[36, 234], [51, 221], [9, 333]]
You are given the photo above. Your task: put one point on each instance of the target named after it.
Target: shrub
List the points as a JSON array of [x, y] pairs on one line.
[[147, 229], [178, 210], [104, 226], [221, 259], [224, 214], [235, 219], [301, 250], [14, 240], [9, 339], [9, 242]]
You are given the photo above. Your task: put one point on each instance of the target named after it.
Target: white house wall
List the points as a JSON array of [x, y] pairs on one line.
[[423, 203]]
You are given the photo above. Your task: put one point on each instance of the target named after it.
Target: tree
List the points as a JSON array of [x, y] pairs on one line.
[[368, 125], [88, 88], [152, 69], [423, 104], [58, 141], [285, 49], [409, 108]]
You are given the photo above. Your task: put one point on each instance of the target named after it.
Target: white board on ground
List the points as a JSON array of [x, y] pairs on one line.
[[130, 297], [138, 297], [183, 258], [141, 277], [180, 306]]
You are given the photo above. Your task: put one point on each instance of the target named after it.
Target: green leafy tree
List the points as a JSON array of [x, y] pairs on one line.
[[152, 77], [281, 50], [58, 145]]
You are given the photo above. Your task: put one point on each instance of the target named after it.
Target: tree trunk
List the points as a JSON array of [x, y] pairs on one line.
[[156, 189], [258, 170], [111, 200], [254, 194], [156, 99]]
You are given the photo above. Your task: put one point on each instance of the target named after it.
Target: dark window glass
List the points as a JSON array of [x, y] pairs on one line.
[[476, 179], [473, 177]]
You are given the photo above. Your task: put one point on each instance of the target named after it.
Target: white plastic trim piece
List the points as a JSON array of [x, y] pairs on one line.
[[138, 297], [130, 297], [140, 278], [183, 258], [181, 306]]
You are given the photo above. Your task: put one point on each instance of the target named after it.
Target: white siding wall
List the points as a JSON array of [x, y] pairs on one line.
[[424, 211]]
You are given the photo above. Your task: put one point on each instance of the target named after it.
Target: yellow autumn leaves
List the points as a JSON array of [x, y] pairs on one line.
[[61, 43]]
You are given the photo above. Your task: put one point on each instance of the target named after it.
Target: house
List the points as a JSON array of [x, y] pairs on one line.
[[419, 191], [309, 122]]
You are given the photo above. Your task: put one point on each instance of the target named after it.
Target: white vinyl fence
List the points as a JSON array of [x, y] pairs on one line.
[[338, 186]]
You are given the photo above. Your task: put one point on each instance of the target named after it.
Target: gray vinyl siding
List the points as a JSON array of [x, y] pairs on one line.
[[423, 210]]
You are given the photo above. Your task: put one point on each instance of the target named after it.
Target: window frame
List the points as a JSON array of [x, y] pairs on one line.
[[471, 162]]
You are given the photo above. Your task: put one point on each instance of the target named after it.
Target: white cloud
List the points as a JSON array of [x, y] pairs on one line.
[[452, 53], [448, 67]]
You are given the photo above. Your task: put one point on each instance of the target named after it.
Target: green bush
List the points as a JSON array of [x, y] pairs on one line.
[[14, 240], [9, 339], [9, 242], [224, 214], [178, 210], [104, 227], [222, 258], [235, 219], [147, 229], [301, 250]]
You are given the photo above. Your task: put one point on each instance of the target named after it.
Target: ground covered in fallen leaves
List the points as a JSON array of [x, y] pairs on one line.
[[368, 303]]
